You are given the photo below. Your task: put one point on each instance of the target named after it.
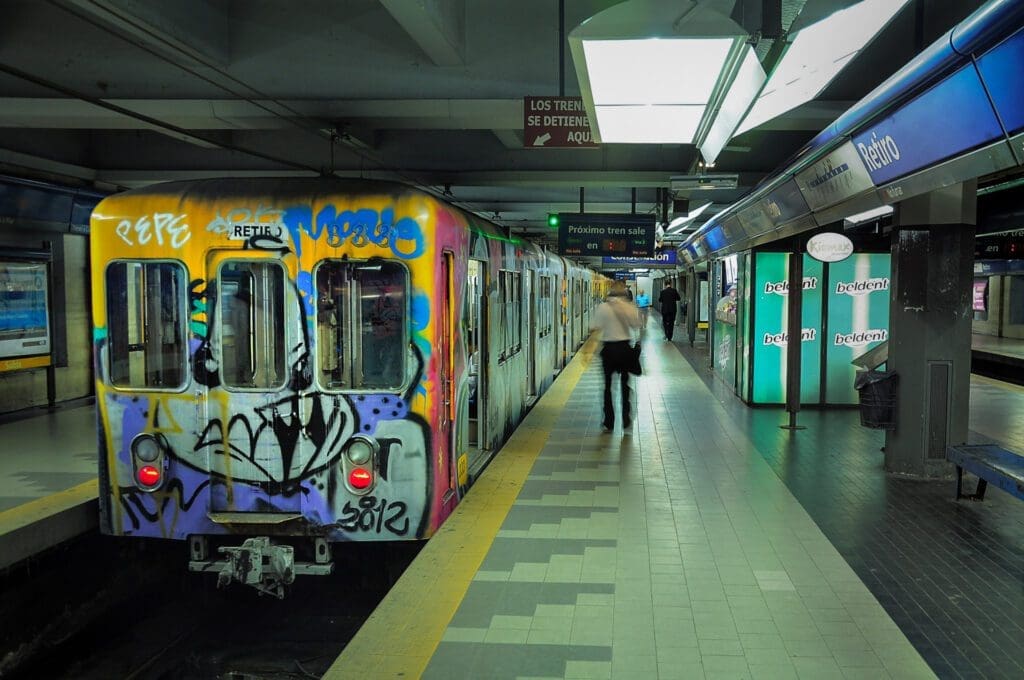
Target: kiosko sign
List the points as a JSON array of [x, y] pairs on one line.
[[829, 247]]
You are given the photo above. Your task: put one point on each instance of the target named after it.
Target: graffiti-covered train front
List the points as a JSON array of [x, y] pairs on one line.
[[310, 358]]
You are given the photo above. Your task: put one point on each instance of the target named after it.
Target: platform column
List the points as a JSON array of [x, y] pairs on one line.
[[930, 327]]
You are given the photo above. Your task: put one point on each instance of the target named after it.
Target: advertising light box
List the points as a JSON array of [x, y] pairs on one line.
[[24, 312], [770, 339], [858, 319]]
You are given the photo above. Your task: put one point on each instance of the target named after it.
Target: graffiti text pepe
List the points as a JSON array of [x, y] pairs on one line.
[[160, 226], [359, 227]]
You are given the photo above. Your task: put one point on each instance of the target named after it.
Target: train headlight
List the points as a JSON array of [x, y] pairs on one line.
[[146, 448], [360, 450]]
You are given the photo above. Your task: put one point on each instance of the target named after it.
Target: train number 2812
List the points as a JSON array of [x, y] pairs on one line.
[[374, 515]]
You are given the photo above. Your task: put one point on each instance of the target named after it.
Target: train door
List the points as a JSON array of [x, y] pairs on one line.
[[563, 315], [474, 321], [577, 314], [446, 377], [251, 423], [533, 344]]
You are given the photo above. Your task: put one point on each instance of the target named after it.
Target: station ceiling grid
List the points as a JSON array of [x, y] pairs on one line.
[[119, 93]]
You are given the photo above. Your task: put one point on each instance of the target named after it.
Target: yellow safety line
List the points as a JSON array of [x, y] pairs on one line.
[[401, 635], [40, 508]]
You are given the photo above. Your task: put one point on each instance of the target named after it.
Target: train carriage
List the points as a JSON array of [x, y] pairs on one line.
[[316, 359]]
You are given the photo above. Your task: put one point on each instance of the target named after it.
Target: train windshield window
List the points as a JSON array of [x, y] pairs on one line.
[[251, 302], [146, 311], [361, 324]]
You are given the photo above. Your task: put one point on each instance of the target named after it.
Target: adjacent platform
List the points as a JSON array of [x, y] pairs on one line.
[[695, 548], [47, 481], [1009, 348]]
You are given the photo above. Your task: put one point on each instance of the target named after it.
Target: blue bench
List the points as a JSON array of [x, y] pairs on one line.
[[989, 463]]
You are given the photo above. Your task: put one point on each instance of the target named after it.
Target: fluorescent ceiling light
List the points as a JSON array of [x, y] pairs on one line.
[[649, 124], [817, 54], [868, 215], [680, 223], [654, 70], [744, 88]]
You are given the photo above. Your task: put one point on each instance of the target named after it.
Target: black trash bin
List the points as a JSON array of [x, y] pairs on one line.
[[877, 390]]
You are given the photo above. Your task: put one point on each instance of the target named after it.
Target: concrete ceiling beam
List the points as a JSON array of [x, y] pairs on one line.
[[438, 27]]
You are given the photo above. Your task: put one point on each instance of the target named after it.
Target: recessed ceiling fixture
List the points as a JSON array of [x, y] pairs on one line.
[[665, 72]]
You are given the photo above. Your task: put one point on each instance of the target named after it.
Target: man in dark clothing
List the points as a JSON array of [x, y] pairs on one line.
[[669, 299]]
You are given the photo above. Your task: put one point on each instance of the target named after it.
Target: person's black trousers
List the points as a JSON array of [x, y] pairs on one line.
[[615, 358], [668, 321]]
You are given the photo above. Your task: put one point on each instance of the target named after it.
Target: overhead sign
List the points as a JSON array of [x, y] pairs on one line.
[[952, 117], [829, 247], [1000, 70], [556, 123], [833, 179], [600, 234], [662, 258]]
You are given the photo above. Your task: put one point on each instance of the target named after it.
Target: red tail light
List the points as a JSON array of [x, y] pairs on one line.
[[148, 475], [359, 478]]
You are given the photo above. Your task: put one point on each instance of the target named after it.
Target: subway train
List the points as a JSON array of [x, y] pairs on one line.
[[285, 365]]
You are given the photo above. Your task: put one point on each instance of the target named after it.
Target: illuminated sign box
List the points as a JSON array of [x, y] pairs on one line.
[[605, 234]]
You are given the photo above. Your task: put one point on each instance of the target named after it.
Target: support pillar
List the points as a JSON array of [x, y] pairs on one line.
[[930, 328]]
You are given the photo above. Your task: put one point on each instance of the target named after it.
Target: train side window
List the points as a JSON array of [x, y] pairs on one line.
[[146, 315], [510, 291], [362, 324], [251, 315], [546, 306]]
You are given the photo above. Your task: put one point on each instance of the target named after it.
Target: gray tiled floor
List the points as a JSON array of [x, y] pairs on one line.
[[673, 553], [46, 454]]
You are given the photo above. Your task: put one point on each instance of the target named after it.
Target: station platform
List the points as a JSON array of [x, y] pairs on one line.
[[1001, 350], [709, 543], [47, 481]]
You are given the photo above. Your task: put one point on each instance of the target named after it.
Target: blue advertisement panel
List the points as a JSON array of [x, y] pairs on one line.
[[771, 307], [858, 319], [24, 315], [1001, 71], [952, 117]]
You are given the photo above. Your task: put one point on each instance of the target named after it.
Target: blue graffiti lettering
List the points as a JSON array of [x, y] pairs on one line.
[[358, 227]]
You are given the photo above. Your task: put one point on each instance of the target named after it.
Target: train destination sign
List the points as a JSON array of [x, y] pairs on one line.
[[601, 234], [662, 258], [556, 122]]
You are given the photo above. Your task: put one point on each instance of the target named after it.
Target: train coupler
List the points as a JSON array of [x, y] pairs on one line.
[[260, 563]]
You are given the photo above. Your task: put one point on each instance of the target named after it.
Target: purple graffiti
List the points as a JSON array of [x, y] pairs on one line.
[[373, 408]]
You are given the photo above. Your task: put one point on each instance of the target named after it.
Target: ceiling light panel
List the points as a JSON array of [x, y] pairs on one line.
[[654, 70], [817, 54], [742, 91], [648, 124]]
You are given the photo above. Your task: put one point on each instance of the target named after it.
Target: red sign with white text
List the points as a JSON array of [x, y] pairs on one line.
[[556, 123]]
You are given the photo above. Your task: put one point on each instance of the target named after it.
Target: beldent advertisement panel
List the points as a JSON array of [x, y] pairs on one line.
[[771, 307], [858, 319]]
